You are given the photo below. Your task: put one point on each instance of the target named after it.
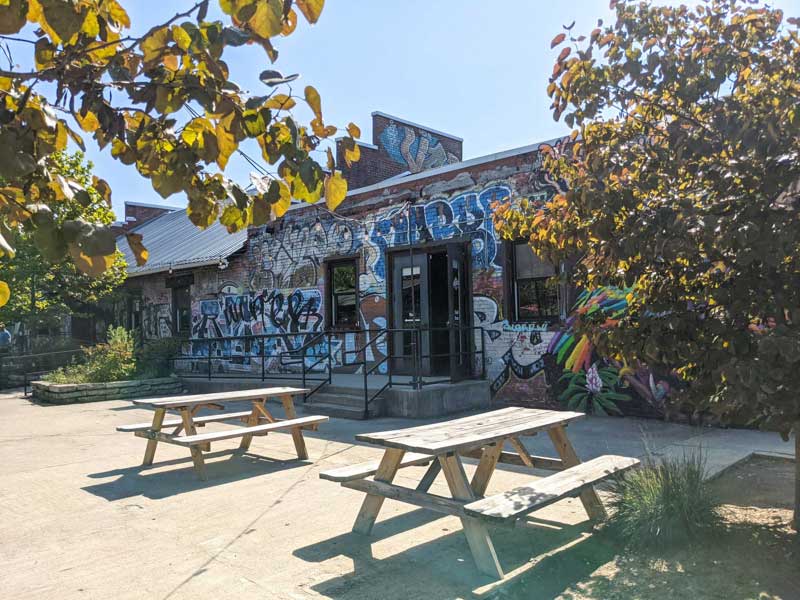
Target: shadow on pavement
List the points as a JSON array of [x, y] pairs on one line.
[[443, 569], [139, 480]]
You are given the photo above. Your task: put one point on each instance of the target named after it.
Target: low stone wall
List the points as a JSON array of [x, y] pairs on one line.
[[70, 393]]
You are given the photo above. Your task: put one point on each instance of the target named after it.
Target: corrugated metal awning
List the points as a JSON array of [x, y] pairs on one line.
[[174, 242]]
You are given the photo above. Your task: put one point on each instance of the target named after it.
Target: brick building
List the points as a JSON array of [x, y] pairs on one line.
[[412, 247]]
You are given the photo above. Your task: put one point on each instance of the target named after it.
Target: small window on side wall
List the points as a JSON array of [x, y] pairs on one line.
[[343, 294], [533, 289]]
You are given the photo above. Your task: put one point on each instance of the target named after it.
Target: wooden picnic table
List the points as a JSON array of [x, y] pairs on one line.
[[257, 421], [482, 436]]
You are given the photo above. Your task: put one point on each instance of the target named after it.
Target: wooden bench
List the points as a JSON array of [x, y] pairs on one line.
[[199, 421], [522, 500], [370, 467], [229, 434]]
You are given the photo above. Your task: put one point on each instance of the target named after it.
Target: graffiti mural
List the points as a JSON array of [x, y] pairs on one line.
[[599, 384], [417, 151]]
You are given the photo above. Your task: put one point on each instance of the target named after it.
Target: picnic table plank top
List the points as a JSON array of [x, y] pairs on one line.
[[469, 432], [194, 399]]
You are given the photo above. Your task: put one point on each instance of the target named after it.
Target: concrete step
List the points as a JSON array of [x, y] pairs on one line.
[[339, 411], [327, 397]]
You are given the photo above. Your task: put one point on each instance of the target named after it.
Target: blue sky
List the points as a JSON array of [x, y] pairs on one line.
[[472, 68]]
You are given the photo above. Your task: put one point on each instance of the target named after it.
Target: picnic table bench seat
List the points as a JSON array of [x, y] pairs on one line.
[[370, 467], [228, 434], [199, 421], [520, 501]]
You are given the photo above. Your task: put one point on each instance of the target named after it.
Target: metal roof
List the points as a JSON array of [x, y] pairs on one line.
[[174, 242]]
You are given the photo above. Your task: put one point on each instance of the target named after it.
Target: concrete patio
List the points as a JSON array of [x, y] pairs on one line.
[[79, 518]]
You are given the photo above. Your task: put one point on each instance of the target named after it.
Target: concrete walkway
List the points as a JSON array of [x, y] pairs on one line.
[[79, 518]]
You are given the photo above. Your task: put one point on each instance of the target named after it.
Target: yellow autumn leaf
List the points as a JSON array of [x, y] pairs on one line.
[[267, 20], [354, 130], [290, 23], [94, 266], [331, 161], [284, 201], [335, 190], [311, 9], [5, 293], [314, 101], [140, 253], [280, 102], [352, 155], [226, 142]]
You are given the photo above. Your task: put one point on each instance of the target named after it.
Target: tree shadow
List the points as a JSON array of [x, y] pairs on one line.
[[142, 481], [443, 568], [739, 560]]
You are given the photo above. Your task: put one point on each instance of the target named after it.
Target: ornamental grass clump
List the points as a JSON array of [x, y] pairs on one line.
[[663, 503]]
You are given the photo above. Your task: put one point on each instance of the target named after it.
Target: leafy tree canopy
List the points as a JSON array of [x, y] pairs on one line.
[[47, 289], [684, 184], [162, 102]]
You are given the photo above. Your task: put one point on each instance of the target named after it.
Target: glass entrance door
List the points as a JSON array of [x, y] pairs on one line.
[[411, 310], [460, 312]]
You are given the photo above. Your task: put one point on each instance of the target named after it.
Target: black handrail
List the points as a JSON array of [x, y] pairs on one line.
[[374, 336]]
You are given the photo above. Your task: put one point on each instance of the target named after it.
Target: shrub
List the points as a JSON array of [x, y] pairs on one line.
[[113, 361], [664, 502], [153, 357]]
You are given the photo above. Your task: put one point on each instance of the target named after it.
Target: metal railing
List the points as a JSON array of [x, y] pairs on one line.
[[313, 361], [18, 369], [292, 363], [416, 357]]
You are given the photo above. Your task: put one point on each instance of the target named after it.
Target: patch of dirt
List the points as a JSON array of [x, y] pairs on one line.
[[755, 555]]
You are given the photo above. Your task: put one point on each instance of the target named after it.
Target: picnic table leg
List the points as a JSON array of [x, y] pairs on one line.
[[371, 506], [480, 479], [150, 451], [430, 476], [477, 535], [297, 432], [197, 454], [591, 502], [252, 420]]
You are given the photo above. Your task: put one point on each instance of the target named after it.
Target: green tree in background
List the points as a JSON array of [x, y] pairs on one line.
[[684, 185], [165, 103], [46, 289]]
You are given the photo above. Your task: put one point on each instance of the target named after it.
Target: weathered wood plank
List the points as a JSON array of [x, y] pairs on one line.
[[543, 492], [371, 506], [150, 451], [477, 535], [219, 418], [370, 467], [197, 455], [430, 476], [470, 432], [486, 466], [191, 400], [440, 504], [297, 434], [512, 458], [589, 498], [241, 431]]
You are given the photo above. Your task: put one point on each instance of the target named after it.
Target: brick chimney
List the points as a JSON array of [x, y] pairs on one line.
[[137, 213], [399, 147]]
